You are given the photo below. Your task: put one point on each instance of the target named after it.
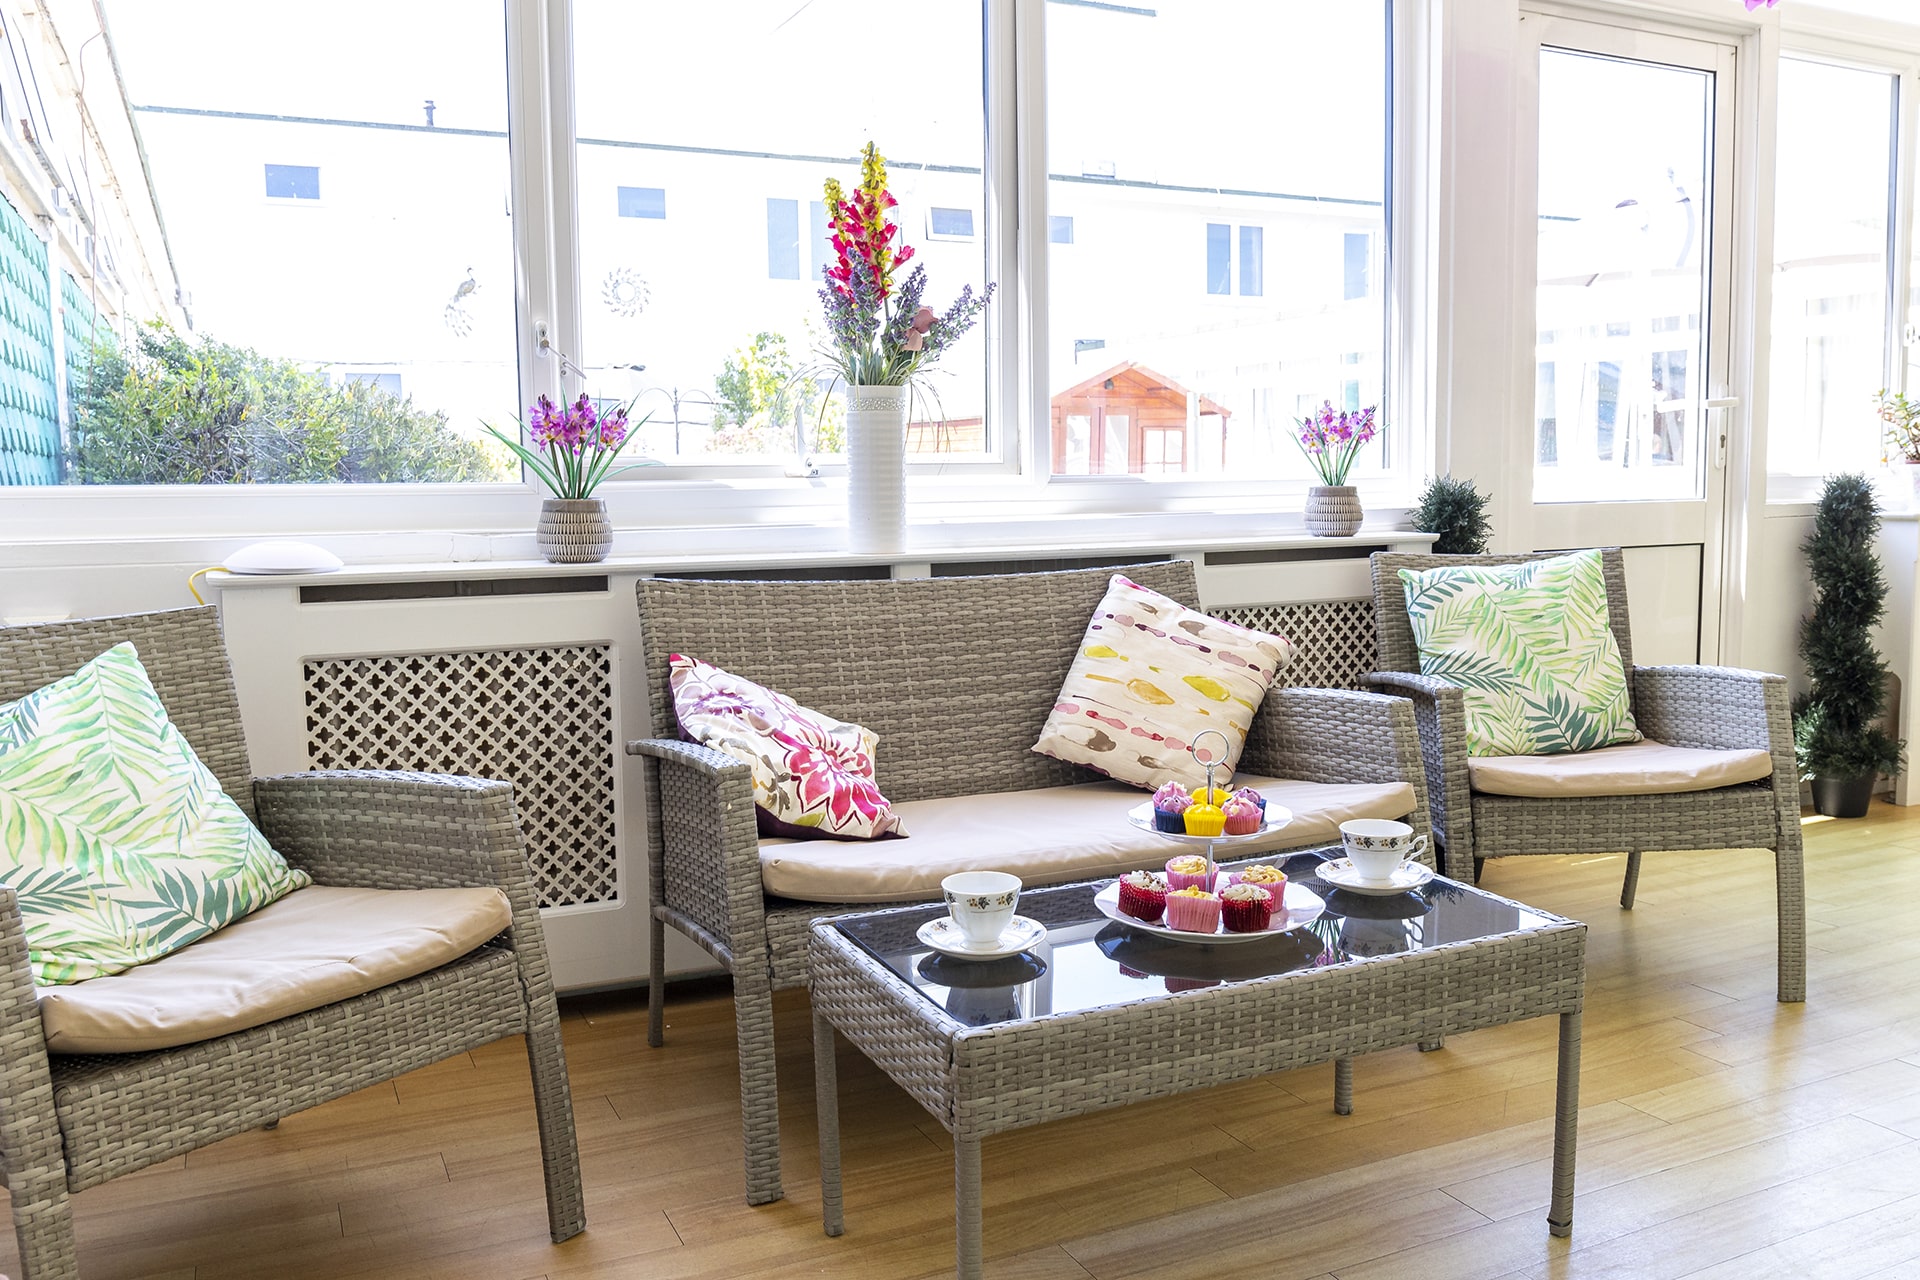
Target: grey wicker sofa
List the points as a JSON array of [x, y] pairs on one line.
[[1711, 708], [956, 675], [69, 1122]]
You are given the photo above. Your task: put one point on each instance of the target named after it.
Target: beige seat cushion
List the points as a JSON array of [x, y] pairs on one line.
[[1633, 769], [314, 947], [1043, 836]]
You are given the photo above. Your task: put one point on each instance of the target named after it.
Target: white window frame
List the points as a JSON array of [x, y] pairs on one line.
[[1852, 43], [1014, 478]]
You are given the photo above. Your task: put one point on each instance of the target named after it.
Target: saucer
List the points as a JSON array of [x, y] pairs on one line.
[[1340, 873], [944, 936]]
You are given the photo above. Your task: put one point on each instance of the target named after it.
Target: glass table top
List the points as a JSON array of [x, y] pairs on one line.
[[1088, 961]]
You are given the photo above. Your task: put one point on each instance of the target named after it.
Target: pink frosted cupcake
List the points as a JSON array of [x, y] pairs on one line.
[[1143, 895], [1246, 908], [1170, 805], [1243, 816], [1193, 910], [1254, 796], [1189, 871]]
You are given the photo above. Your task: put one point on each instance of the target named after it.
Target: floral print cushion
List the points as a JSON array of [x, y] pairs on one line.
[[120, 844], [812, 774], [1532, 646], [1152, 675]]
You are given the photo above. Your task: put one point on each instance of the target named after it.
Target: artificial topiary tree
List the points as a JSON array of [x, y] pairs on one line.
[[1457, 511], [1836, 723]]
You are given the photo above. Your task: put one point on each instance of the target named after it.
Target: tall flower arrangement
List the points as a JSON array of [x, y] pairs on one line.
[[1333, 440], [573, 447], [878, 331]]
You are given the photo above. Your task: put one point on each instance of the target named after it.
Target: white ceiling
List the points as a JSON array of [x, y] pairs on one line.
[[1907, 11]]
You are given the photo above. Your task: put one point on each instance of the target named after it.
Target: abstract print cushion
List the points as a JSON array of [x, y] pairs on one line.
[[812, 774], [120, 844], [1532, 646], [1150, 676]]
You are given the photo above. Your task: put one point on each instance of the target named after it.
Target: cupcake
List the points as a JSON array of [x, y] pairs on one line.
[[1143, 895], [1241, 816], [1268, 877], [1189, 871], [1193, 910], [1246, 908], [1254, 796], [1211, 795], [1205, 820], [1170, 804]]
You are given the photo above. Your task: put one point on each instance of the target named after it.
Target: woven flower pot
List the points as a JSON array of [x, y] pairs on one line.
[[1333, 511], [877, 469], [574, 530]]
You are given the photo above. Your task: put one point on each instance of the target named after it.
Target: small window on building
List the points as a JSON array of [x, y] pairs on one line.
[[783, 239], [950, 224], [293, 181], [643, 202], [1359, 265], [1253, 261], [387, 382], [1219, 258], [1059, 229]]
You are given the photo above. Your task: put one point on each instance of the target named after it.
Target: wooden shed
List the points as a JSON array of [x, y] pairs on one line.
[[1130, 419]]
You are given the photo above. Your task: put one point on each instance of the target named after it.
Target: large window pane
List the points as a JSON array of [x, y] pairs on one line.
[[742, 112], [1219, 167], [319, 286], [1625, 230], [1833, 188]]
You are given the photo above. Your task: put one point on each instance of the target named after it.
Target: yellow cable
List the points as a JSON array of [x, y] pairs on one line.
[[195, 577]]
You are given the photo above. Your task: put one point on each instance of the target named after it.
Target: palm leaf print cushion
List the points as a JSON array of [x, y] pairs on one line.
[[1150, 677], [120, 844], [1532, 646]]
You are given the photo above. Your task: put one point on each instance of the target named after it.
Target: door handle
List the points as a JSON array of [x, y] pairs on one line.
[[1720, 428]]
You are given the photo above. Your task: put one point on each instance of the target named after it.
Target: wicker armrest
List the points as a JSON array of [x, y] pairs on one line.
[[1718, 708], [31, 1152], [376, 829], [1337, 735], [706, 848], [1439, 709]]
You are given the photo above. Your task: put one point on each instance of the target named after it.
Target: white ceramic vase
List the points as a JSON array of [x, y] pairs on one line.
[[877, 469], [1333, 511]]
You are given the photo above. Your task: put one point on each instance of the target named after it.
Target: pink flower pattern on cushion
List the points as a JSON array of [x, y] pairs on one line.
[[812, 775]]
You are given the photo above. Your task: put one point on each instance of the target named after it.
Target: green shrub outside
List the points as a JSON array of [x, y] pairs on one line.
[[174, 411]]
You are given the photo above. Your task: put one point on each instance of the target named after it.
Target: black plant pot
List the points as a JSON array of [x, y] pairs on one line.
[[1843, 797]]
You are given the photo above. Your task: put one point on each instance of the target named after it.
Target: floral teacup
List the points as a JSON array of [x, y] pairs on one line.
[[981, 903], [1377, 847]]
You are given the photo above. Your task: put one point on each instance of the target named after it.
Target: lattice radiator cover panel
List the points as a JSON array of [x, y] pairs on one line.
[[1333, 639], [541, 719]]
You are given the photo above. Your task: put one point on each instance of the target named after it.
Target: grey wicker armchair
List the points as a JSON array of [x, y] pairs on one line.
[[956, 675], [1710, 708], [68, 1122]]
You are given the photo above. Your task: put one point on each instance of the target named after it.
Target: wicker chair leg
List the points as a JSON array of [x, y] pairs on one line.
[[1343, 1086], [1434, 1045], [759, 1084], [43, 1228], [553, 1105], [1479, 865], [657, 984], [1632, 882], [1792, 908]]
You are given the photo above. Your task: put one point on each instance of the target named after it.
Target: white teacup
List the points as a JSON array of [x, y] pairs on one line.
[[981, 903], [1377, 846]]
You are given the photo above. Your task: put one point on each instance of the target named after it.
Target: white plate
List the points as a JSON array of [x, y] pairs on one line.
[[1141, 816], [1303, 906], [1407, 877], [944, 936]]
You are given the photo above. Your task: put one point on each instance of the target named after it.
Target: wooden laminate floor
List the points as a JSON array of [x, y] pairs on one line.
[[1723, 1136]]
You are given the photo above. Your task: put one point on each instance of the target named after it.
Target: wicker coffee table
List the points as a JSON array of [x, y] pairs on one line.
[[1099, 1015]]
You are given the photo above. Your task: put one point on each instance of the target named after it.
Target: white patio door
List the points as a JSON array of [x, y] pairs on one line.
[[1632, 303]]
